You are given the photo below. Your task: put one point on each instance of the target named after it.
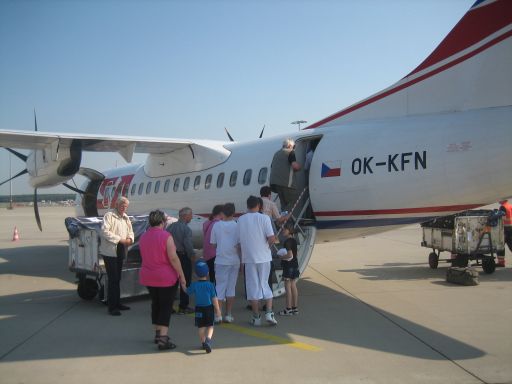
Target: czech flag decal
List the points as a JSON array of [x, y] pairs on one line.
[[331, 169]]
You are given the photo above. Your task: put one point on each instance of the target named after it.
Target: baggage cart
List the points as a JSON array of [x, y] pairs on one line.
[[475, 235], [84, 259]]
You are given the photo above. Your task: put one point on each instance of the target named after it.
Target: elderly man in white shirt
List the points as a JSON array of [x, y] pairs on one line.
[[116, 236]]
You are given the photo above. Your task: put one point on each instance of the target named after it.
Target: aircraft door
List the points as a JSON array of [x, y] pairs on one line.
[[304, 153]]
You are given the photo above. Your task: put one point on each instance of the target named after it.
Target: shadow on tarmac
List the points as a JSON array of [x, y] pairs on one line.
[[422, 271], [56, 324]]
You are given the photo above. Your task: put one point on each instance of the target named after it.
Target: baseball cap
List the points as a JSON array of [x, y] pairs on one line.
[[201, 268]]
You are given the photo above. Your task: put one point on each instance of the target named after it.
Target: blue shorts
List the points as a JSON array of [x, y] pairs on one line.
[[204, 316]]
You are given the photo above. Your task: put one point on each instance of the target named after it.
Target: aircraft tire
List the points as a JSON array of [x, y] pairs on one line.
[[433, 260]]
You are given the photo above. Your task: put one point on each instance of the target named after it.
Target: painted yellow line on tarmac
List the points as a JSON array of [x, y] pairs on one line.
[[265, 336]]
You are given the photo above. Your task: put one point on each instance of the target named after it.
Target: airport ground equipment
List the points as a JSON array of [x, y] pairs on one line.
[[88, 265], [475, 235], [86, 262]]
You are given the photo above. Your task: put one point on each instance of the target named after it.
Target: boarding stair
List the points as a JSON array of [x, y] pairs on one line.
[[305, 234]]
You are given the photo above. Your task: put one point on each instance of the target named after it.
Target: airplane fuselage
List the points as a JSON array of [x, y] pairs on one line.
[[365, 177]]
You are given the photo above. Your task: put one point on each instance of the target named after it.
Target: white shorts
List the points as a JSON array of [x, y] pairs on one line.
[[256, 281], [225, 280]]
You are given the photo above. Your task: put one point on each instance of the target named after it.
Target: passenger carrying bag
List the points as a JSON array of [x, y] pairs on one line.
[[461, 275]]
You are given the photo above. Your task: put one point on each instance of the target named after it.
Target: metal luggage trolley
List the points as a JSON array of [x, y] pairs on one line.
[[88, 265], [471, 235]]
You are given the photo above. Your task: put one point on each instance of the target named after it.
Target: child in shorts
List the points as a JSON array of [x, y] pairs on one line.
[[290, 266], [207, 305]]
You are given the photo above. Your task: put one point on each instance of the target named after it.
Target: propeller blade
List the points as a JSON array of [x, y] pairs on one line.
[[15, 176], [73, 188], [36, 211], [261, 134], [230, 138], [17, 154], [35, 120]]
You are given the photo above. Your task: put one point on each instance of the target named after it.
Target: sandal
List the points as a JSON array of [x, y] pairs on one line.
[[165, 343]]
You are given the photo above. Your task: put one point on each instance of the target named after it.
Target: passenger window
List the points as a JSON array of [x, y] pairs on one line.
[[134, 186], [232, 178], [262, 176], [166, 185], [141, 188], [176, 185], [247, 177], [220, 180], [197, 181], [186, 183], [157, 186], [208, 181], [148, 188]]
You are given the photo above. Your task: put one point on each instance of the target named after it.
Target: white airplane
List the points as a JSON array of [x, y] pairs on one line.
[[438, 141]]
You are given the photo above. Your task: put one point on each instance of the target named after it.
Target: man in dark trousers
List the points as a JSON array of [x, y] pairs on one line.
[[282, 175], [182, 236]]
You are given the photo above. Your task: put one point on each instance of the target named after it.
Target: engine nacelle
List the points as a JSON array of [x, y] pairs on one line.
[[53, 164]]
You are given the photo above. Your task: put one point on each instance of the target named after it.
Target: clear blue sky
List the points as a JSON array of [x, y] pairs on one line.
[[187, 69]]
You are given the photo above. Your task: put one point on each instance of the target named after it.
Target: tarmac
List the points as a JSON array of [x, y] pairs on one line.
[[371, 311]]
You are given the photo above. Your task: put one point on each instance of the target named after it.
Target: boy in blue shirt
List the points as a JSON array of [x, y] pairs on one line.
[[207, 305]]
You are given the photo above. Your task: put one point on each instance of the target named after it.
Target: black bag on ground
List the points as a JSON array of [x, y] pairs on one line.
[[461, 275]]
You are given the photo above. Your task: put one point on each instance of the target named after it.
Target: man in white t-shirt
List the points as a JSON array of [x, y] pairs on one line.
[[256, 235], [224, 237]]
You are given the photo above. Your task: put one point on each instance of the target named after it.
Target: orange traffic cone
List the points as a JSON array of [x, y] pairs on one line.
[[15, 235], [501, 261]]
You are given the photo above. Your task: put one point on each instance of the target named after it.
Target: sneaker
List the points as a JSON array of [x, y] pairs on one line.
[[207, 345], [229, 319], [285, 312], [269, 316], [217, 320], [256, 321]]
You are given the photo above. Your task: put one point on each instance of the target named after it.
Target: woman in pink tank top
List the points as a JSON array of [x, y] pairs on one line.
[[160, 273]]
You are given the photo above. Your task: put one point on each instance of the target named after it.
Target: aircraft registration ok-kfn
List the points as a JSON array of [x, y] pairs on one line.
[[438, 141]]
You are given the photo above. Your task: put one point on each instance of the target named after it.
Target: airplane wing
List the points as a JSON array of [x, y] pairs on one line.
[[125, 145]]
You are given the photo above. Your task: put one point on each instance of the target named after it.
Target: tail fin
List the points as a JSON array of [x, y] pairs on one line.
[[470, 69]]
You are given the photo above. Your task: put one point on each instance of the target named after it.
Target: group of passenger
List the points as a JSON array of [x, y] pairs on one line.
[[168, 259]]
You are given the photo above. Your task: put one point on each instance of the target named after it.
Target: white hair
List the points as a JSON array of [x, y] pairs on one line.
[[287, 143], [122, 199]]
